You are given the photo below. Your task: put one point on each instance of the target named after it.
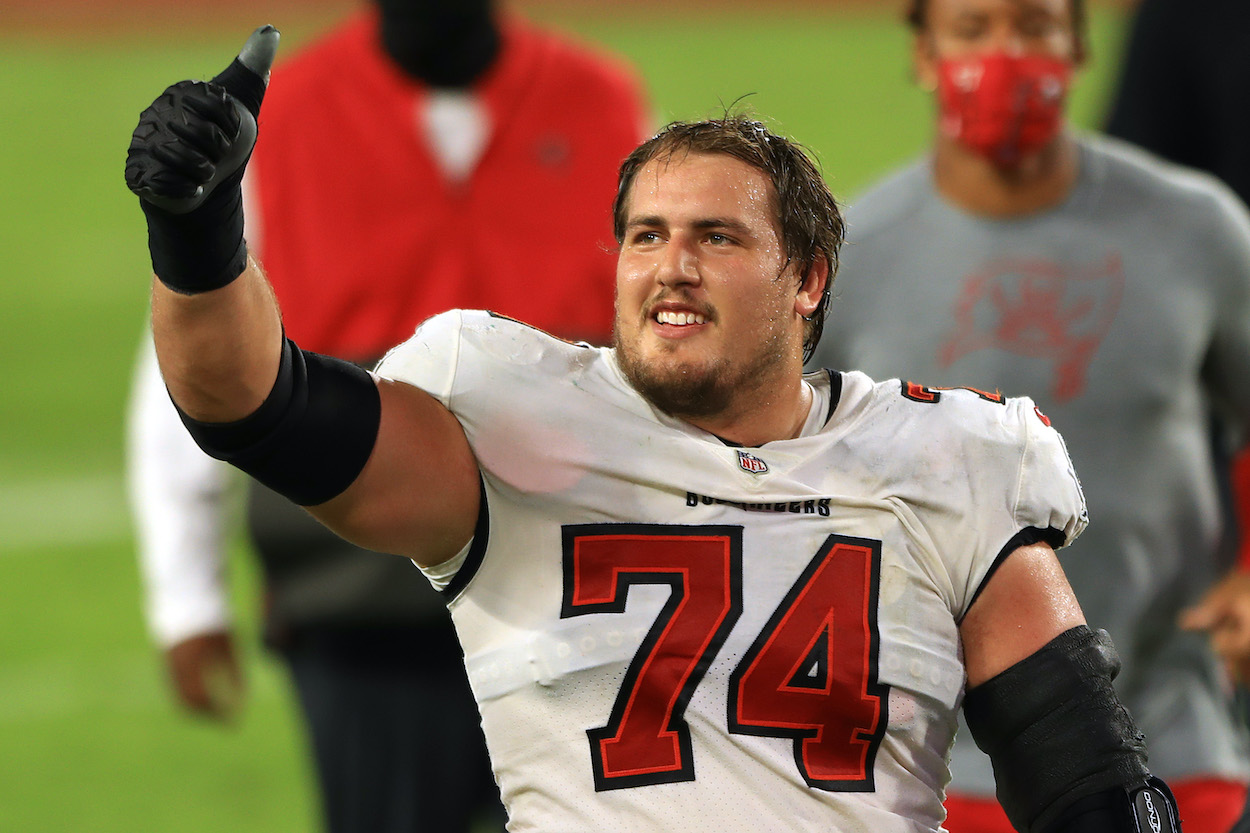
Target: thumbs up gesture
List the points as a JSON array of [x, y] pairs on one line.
[[186, 162]]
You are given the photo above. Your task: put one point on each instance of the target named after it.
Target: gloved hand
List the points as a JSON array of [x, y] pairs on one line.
[[186, 162]]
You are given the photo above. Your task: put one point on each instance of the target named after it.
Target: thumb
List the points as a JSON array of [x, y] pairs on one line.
[[248, 74]]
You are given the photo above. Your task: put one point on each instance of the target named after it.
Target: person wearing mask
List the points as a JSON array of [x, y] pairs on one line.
[[1020, 256]]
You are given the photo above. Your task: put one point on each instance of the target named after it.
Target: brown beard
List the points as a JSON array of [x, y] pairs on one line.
[[691, 393], [682, 393]]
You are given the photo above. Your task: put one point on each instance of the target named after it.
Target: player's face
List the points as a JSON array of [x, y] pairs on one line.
[[965, 28], [706, 308]]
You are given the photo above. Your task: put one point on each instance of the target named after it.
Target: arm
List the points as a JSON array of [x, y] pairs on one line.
[[383, 464], [218, 351], [1025, 604], [177, 498], [1067, 756], [1224, 610], [1224, 613]]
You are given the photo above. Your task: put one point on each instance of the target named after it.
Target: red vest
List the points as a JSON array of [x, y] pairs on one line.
[[363, 237]]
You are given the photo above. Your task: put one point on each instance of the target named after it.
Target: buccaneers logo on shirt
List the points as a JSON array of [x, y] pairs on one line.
[[1041, 309]]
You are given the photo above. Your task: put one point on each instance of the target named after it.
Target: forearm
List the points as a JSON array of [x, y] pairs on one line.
[[303, 424], [215, 323], [1067, 755], [218, 351], [178, 498]]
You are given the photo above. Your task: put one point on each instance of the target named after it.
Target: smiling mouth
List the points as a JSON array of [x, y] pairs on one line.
[[679, 319]]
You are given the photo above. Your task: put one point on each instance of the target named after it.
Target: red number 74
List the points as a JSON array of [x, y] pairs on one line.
[[810, 675]]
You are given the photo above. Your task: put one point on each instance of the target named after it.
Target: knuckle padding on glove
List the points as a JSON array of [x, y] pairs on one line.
[[312, 435], [183, 161], [206, 138], [190, 124], [1055, 730], [174, 153]]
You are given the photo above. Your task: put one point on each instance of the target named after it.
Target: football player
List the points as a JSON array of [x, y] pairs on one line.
[[696, 589]]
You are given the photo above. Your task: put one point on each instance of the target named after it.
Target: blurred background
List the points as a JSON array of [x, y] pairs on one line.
[[89, 738]]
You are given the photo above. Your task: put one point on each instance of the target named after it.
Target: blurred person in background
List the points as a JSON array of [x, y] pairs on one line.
[[427, 122], [1182, 93], [1115, 290]]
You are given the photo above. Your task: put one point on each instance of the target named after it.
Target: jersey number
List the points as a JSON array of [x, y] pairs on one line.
[[810, 675]]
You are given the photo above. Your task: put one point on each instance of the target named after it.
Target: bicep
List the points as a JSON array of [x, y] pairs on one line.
[[1026, 603], [418, 494]]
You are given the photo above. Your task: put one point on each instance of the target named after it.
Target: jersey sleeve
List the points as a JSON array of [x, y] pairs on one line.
[[1049, 498], [1017, 487], [1045, 502], [429, 359]]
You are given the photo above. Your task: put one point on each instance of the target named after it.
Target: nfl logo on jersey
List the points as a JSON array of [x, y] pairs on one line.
[[751, 463]]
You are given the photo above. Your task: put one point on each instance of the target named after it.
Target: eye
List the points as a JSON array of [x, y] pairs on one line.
[[970, 32], [969, 27], [1038, 26], [644, 237], [718, 239]]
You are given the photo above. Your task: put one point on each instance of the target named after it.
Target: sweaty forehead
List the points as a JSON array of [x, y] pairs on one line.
[[692, 184]]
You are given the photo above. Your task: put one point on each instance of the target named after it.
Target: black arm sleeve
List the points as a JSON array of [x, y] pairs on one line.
[[1066, 753], [312, 435]]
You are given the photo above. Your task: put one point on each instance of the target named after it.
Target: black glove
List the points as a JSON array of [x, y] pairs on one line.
[[186, 163]]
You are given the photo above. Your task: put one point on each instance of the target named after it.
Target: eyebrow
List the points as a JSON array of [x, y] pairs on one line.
[[735, 226]]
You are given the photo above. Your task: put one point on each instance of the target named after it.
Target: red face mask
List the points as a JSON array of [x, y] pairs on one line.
[[1002, 106]]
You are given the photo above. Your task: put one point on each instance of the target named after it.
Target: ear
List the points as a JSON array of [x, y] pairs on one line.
[[812, 287], [924, 62]]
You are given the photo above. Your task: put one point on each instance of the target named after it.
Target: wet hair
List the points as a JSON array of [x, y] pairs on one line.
[[917, 12], [808, 216]]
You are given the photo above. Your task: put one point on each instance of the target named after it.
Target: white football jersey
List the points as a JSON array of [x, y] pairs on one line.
[[665, 632]]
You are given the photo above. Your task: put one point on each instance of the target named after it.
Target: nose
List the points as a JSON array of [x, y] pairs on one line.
[[678, 265]]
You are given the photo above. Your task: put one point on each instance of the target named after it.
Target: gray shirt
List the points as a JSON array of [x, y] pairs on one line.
[[1125, 313]]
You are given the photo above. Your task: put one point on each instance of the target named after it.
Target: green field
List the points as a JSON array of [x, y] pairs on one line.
[[89, 739]]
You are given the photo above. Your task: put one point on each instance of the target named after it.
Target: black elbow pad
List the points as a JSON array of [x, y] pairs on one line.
[[1067, 755], [312, 435]]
